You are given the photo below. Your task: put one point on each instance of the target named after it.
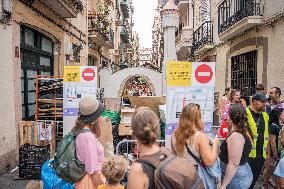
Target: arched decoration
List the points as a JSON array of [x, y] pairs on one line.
[[136, 85], [114, 83]]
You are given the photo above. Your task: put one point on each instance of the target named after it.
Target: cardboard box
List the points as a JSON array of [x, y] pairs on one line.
[[126, 116], [151, 102], [112, 104], [124, 130], [106, 138], [29, 133]]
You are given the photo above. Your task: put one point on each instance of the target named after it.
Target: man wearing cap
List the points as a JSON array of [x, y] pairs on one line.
[[258, 121], [260, 89]]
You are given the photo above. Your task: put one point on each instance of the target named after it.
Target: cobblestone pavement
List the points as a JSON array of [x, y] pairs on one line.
[[9, 181]]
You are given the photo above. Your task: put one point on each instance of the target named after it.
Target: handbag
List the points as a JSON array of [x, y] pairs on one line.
[[224, 129], [211, 175]]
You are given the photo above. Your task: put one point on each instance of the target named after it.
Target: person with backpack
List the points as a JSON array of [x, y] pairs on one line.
[[276, 117], [88, 148], [157, 168], [236, 172], [80, 155], [190, 141]]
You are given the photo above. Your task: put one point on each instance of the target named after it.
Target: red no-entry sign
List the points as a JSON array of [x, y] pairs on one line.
[[88, 74], [203, 73]]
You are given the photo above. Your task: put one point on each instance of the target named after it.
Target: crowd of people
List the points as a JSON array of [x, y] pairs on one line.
[[254, 142], [264, 116]]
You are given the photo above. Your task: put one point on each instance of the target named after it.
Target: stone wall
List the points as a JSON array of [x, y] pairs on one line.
[[8, 142]]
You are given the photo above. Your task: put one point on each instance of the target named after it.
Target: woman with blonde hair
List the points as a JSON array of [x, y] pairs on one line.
[[189, 136]]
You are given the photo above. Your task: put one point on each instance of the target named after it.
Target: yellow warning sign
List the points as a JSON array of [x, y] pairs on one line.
[[179, 73], [71, 73]]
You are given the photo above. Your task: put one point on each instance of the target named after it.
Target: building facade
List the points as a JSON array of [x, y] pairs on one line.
[[242, 37], [37, 38], [145, 56], [157, 38], [111, 33], [41, 37]]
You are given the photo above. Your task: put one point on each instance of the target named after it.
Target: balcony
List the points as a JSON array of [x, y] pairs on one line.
[[124, 8], [64, 8], [237, 16], [184, 39], [124, 35], [182, 4], [100, 33], [203, 38]]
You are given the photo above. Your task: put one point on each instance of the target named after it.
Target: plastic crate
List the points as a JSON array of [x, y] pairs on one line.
[[31, 159]]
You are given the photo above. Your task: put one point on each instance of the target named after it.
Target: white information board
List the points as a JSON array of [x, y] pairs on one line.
[[189, 82], [79, 82]]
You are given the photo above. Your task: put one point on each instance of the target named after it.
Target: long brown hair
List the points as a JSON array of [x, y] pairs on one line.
[[238, 117], [79, 125], [189, 123]]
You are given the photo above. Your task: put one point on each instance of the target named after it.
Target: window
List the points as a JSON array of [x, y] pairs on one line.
[[244, 73], [36, 59]]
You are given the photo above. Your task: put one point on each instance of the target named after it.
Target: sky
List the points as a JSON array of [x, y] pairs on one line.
[[144, 12]]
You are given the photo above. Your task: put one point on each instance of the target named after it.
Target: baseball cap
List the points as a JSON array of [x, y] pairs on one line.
[[259, 96], [90, 109]]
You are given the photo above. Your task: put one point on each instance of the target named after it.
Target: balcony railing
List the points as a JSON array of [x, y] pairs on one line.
[[102, 32], [203, 35], [182, 3], [124, 35], [124, 8], [64, 8], [175, 1], [232, 11]]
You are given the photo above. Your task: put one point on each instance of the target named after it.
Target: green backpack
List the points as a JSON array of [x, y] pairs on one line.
[[66, 164]]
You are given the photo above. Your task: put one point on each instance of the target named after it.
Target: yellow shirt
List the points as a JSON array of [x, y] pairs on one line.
[[104, 186]]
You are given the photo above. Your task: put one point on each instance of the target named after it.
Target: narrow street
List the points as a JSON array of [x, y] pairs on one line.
[[138, 78]]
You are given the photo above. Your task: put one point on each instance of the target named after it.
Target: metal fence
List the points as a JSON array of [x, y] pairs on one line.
[[132, 150], [244, 73]]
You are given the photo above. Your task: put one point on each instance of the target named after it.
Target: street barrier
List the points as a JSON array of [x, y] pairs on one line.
[[132, 145]]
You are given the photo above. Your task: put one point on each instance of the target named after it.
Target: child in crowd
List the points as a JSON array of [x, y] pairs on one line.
[[113, 169]]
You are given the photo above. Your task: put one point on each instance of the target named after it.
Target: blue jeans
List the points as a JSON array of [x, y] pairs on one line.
[[242, 178]]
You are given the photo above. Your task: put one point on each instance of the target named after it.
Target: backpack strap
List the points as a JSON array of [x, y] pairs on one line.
[[84, 130], [149, 169], [199, 161]]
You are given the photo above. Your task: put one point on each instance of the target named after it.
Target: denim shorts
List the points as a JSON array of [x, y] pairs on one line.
[[242, 178]]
